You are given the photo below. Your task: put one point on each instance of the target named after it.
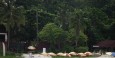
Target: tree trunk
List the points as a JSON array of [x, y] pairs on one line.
[[8, 42], [77, 28]]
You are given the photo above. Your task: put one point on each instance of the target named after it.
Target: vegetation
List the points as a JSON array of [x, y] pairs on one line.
[[7, 57], [62, 25]]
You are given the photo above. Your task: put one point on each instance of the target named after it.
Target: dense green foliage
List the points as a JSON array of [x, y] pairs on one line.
[[65, 25], [53, 35]]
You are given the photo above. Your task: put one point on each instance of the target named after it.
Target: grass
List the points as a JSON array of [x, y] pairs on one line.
[[52, 57], [9, 57]]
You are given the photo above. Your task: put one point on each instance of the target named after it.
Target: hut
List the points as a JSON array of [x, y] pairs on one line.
[[106, 45]]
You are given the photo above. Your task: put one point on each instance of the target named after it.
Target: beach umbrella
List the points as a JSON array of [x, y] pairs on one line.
[[31, 48]]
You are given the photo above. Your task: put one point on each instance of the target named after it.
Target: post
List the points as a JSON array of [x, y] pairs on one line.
[[6, 37], [44, 50], [30, 55], [4, 49], [3, 43]]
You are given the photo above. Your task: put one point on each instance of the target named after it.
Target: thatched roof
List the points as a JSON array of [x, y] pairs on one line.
[[107, 44]]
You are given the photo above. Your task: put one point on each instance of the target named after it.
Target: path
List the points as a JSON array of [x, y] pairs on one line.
[[105, 56]]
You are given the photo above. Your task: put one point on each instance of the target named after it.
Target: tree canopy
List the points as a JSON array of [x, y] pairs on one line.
[[58, 22]]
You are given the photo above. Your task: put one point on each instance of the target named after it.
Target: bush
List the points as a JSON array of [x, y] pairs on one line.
[[67, 48], [10, 53], [1, 52], [82, 49], [7, 52]]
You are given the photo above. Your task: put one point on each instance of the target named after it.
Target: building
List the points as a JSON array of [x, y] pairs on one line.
[[106, 45]]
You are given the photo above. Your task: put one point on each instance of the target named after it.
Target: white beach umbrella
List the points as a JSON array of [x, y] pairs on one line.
[[31, 48]]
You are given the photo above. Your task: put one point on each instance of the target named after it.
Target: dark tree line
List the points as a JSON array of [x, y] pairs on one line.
[[66, 25]]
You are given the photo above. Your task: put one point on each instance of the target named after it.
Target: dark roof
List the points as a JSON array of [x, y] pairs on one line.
[[107, 44]]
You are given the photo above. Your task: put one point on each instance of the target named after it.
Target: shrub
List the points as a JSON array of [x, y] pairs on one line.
[[82, 49], [67, 48], [10, 53], [0, 51]]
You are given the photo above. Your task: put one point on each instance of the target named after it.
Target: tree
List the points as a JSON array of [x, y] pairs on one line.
[[71, 39], [11, 15], [83, 39], [112, 31], [76, 22], [53, 35]]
